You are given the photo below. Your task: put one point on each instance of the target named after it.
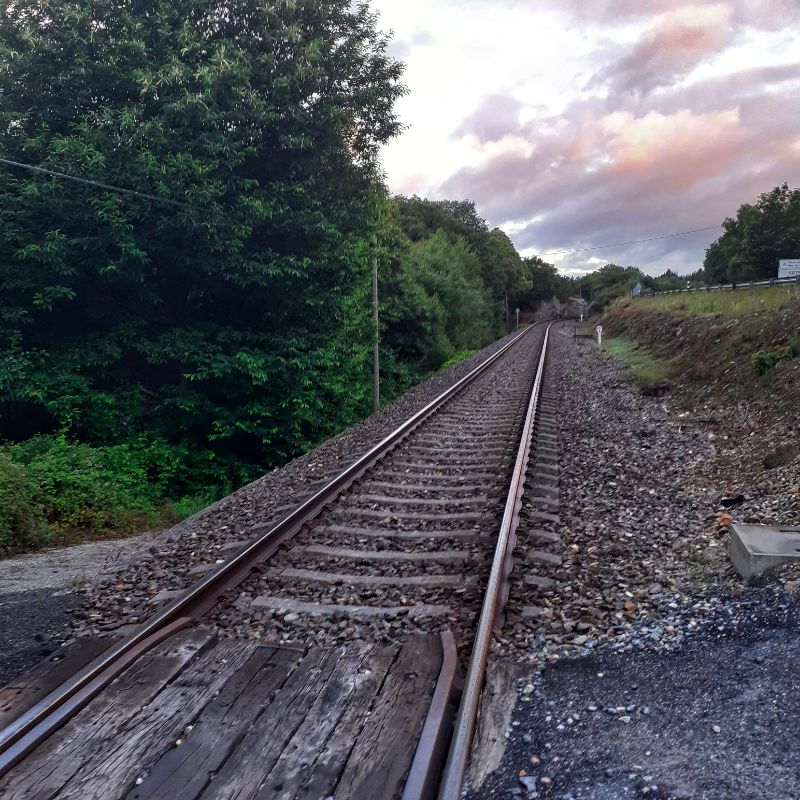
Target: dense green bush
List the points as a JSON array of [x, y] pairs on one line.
[[52, 487], [765, 360], [22, 523]]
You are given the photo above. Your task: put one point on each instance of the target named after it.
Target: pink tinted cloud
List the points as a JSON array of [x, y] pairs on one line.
[[620, 176], [636, 162], [761, 14], [676, 42]]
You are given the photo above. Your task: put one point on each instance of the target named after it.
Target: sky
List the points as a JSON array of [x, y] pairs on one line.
[[577, 123]]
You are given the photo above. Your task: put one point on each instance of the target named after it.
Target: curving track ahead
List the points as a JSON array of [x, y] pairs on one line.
[[352, 606]]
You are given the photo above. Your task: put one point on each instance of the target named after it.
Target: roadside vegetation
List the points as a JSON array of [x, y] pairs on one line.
[[732, 352], [651, 372], [725, 303]]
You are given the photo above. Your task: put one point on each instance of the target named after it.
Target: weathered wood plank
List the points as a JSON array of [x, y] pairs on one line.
[[183, 772], [258, 752], [117, 764], [310, 765], [382, 755], [45, 772]]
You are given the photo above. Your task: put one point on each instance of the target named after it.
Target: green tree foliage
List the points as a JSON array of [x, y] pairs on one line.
[[606, 284], [22, 522], [223, 326], [164, 348], [434, 297], [500, 267], [760, 235]]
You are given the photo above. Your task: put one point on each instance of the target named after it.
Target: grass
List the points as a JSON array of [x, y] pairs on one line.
[[726, 303], [456, 359], [647, 368]]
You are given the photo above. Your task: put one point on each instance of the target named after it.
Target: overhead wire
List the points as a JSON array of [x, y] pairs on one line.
[[634, 241], [89, 182]]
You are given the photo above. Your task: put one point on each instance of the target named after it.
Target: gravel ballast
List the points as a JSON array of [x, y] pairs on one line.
[[37, 591], [654, 671]]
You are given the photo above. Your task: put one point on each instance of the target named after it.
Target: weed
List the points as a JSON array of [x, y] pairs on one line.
[[54, 489], [765, 360], [648, 369], [456, 358]]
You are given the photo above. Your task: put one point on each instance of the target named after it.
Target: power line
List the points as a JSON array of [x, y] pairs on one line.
[[89, 182], [635, 241]]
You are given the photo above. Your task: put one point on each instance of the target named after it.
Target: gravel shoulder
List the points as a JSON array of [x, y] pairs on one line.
[[654, 671], [37, 592]]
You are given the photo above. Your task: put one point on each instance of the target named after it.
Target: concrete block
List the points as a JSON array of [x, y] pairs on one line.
[[754, 549]]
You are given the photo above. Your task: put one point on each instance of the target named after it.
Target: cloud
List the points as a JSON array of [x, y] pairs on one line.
[[401, 48], [582, 122], [621, 176], [759, 14], [676, 42], [495, 117]]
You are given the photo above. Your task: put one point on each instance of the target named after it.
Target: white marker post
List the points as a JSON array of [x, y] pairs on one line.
[[599, 330]]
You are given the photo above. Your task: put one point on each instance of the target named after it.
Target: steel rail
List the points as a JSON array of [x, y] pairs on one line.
[[494, 599], [23, 734]]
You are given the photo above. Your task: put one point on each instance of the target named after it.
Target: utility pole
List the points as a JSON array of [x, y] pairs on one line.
[[376, 364]]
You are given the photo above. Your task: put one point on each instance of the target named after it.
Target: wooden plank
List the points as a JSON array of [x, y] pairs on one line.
[[382, 755], [258, 752], [117, 763], [49, 768], [310, 765], [183, 772], [30, 687]]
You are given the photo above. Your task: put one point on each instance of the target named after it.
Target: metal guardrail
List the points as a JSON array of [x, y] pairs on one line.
[[723, 286]]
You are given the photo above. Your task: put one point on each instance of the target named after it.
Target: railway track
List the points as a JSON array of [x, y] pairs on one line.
[[334, 635]]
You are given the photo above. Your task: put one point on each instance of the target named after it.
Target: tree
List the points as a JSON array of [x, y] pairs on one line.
[[756, 239], [223, 321], [502, 268]]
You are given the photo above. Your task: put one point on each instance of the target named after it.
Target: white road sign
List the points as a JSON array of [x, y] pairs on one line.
[[789, 267]]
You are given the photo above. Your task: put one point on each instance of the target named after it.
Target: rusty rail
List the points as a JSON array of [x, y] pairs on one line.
[[494, 600], [23, 734]]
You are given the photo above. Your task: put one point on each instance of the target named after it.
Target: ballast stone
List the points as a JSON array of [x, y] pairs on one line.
[[754, 549]]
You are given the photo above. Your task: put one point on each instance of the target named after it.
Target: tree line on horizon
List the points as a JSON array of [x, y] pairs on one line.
[[748, 249]]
